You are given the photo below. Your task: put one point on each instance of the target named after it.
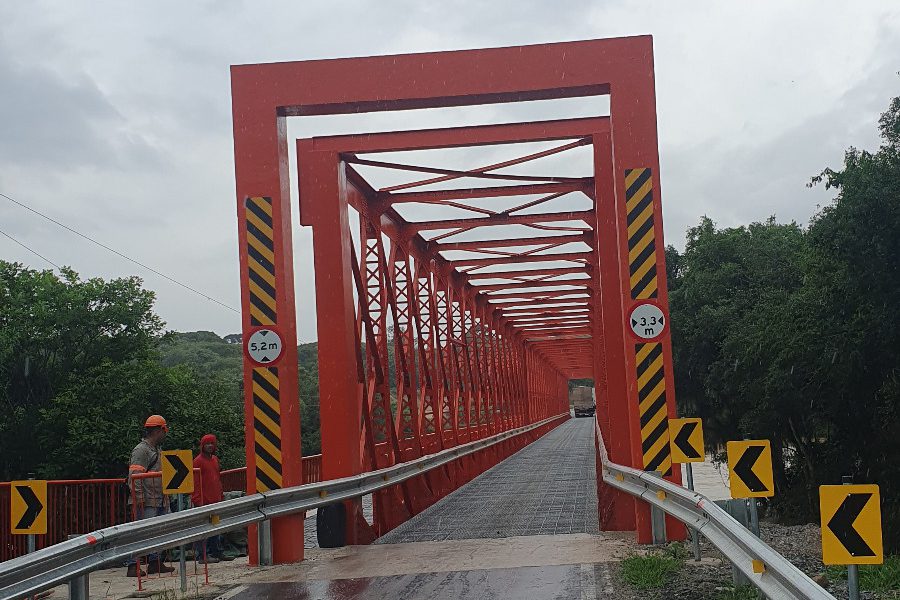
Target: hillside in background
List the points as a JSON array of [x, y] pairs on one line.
[[213, 358]]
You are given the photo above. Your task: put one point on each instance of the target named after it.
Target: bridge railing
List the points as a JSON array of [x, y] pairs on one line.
[[73, 506], [57, 564], [77, 506], [765, 568], [234, 480]]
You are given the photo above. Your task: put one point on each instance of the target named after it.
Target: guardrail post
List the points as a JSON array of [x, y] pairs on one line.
[[738, 510], [182, 567], [754, 516], [79, 587], [695, 535], [265, 543], [657, 519]]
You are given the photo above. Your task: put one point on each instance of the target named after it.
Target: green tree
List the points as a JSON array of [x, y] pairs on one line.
[[55, 331], [793, 335]]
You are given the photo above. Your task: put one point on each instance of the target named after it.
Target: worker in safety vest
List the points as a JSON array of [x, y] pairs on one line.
[[208, 492], [146, 499]]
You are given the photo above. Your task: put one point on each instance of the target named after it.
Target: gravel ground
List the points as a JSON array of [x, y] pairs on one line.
[[801, 544]]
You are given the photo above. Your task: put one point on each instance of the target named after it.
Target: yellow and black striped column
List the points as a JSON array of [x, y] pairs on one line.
[[261, 261], [651, 386], [641, 233], [643, 282], [267, 428], [264, 311]]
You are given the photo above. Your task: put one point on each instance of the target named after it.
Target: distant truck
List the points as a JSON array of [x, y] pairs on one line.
[[582, 398]]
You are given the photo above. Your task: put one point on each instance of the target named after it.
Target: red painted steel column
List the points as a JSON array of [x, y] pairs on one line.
[[617, 509], [260, 149], [323, 201], [636, 147]]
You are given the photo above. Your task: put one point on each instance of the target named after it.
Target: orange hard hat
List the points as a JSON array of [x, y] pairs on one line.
[[156, 421]]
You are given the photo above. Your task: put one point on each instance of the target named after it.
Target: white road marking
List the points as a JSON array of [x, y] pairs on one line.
[[231, 593]]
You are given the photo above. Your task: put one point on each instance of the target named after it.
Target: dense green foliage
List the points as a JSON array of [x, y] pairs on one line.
[[211, 358], [82, 364], [793, 334]]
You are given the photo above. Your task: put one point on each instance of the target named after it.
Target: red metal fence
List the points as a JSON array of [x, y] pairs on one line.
[[73, 507], [76, 506]]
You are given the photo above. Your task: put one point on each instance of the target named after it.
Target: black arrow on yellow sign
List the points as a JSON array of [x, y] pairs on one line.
[[744, 469], [682, 440], [34, 504], [181, 471], [841, 524]]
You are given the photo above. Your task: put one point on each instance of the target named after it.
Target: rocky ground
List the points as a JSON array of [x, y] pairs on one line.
[[712, 579]]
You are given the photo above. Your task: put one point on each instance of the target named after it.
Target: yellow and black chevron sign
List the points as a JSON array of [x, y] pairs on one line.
[[641, 233], [651, 385], [267, 428], [261, 261]]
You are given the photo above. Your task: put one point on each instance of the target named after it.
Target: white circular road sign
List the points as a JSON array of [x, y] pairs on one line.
[[647, 321], [264, 346]]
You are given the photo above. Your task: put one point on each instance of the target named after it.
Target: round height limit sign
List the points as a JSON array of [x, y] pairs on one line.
[[264, 346], [647, 321]]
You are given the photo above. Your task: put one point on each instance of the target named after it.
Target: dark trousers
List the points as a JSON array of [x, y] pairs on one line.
[[145, 513], [213, 547]]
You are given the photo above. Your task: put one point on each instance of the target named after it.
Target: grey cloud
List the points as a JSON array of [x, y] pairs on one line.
[[736, 182], [112, 87], [51, 122]]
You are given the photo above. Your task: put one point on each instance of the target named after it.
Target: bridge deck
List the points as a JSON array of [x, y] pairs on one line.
[[547, 488], [526, 528]]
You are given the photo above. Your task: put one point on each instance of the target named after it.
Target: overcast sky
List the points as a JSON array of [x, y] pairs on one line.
[[115, 116]]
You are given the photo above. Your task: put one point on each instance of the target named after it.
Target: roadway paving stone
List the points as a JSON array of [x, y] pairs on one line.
[[547, 488]]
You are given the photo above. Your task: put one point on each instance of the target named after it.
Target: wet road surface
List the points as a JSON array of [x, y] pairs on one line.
[[547, 491], [537, 583]]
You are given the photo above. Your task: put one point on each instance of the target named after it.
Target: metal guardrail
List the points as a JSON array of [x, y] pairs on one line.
[[57, 564], [780, 580]]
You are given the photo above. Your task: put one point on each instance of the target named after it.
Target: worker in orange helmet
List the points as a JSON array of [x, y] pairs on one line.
[[209, 492], [147, 499]]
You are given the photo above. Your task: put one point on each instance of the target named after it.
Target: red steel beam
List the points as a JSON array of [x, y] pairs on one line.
[[448, 173], [580, 293], [520, 259], [529, 273], [490, 290], [441, 196], [456, 137], [502, 219], [516, 242]]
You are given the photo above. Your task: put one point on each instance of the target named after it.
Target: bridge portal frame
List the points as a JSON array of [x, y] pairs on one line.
[[265, 95]]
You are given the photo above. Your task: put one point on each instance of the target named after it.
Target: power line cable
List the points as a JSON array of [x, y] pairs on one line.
[[41, 256], [114, 251]]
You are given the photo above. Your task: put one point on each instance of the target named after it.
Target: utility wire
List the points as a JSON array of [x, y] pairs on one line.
[[41, 256], [114, 251]]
